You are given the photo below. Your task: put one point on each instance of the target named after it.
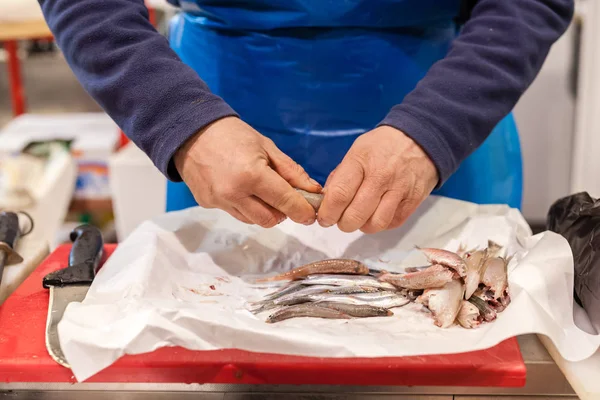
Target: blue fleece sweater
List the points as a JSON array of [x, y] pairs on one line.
[[123, 63]]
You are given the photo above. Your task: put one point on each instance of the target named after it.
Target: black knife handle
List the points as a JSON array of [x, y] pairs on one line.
[[10, 231], [84, 259], [87, 247]]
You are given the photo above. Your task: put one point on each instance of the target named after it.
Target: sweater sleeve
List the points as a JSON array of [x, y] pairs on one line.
[[131, 71], [495, 58]]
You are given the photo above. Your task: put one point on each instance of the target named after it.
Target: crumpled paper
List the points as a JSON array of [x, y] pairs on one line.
[[184, 279]]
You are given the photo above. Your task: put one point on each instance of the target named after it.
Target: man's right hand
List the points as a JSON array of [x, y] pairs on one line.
[[229, 165]]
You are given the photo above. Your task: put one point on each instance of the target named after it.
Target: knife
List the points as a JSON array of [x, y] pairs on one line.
[[71, 284], [10, 233]]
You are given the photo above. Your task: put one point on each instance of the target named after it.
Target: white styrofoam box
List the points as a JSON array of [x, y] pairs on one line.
[[52, 198], [139, 189], [20, 10], [95, 138], [94, 135]]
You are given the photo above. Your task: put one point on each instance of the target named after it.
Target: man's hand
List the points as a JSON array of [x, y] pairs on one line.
[[382, 179], [229, 165]]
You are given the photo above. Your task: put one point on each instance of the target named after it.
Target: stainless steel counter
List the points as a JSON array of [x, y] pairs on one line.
[[544, 380]]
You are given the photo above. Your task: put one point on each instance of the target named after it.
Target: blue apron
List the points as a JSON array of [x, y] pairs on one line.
[[314, 74]]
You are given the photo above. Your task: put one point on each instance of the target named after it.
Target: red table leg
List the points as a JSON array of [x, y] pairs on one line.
[[123, 139], [14, 74], [152, 15]]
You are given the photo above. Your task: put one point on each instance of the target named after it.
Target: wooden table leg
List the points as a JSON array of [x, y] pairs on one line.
[[14, 75]]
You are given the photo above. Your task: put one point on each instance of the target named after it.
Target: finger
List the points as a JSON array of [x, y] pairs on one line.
[[290, 170], [238, 215], [363, 205], [404, 210], [384, 214], [340, 191], [276, 192], [329, 178], [258, 212]]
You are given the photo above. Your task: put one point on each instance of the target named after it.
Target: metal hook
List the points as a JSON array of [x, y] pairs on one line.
[[31, 224]]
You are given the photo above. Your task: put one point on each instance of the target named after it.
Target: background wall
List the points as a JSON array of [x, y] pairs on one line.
[[545, 116]]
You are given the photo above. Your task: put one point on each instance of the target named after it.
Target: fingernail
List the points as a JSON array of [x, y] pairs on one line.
[[313, 182], [281, 219], [309, 222], [325, 224]]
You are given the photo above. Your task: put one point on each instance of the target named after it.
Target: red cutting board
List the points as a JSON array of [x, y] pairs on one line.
[[23, 356]]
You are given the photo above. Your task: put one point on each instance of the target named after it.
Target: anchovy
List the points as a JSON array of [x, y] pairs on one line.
[[354, 290], [291, 287], [462, 250], [260, 306], [416, 269], [493, 248], [314, 199], [475, 261], [446, 258], [487, 312], [306, 310], [444, 302], [301, 296], [385, 300], [347, 280], [376, 272], [413, 294], [500, 304], [469, 315], [433, 277], [331, 266], [304, 295], [495, 276], [357, 310]]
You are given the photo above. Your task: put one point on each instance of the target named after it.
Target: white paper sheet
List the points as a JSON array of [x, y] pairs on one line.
[[155, 290]]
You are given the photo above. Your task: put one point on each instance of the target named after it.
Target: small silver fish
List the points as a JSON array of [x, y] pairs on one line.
[[462, 250], [444, 302], [495, 276], [486, 311], [493, 248], [286, 289], [306, 310], [412, 294], [329, 266], [314, 199], [347, 280], [474, 261], [416, 269], [354, 289], [446, 258], [301, 296], [357, 310], [304, 295], [468, 315], [433, 277], [384, 300]]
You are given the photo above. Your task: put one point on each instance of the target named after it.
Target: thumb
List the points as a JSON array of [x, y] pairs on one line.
[[290, 170]]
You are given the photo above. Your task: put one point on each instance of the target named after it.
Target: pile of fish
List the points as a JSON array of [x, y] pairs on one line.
[[467, 287]]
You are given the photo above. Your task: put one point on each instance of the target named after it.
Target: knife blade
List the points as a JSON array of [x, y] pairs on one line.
[[72, 283]]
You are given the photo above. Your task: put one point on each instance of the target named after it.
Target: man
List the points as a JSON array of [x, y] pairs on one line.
[[314, 79]]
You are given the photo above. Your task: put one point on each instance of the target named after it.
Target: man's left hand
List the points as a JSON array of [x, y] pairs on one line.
[[382, 179]]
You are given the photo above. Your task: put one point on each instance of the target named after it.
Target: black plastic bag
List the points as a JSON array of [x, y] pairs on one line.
[[577, 219]]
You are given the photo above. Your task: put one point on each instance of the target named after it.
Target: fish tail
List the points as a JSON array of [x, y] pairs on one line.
[[281, 277]]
